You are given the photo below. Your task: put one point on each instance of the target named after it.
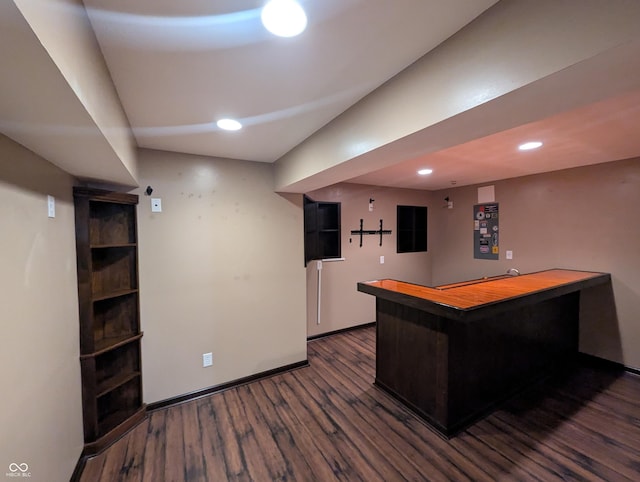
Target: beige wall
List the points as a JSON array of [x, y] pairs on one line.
[[583, 218], [40, 401], [342, 306], [221, 271]]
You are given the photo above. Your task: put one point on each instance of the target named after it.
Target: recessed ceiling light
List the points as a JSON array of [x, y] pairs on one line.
[[229, 124], [425, 172], [527, 146], [284, 18]]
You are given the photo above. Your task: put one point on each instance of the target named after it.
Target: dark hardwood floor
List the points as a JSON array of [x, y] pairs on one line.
[[328, 422]]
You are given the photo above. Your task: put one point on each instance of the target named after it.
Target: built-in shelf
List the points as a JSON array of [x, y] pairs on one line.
[[113, 245], [322, 230], [113, 294], [114, 383], [111, 344], [109, 309], [117, 406]]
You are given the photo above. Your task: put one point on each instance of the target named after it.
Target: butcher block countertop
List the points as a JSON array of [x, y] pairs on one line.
[[471, 299]]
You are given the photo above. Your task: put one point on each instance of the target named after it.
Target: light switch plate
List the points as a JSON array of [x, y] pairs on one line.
[[51, 206], [509, 254], [156, 205]]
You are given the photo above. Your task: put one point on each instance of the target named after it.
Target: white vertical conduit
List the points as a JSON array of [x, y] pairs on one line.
[[319, 268]]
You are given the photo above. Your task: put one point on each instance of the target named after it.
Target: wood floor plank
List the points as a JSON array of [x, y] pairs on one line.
[[271, 426], [583, 461], [452, 467], [328, 422], [322, 429], [154, 447], [357, 420], [174, 459], [597, 412], [496, 465], [114, 460], [601, 455], [195, 467], [566, 459], [537, 462], [325, 466], [260, 453], [212, 441], [551, 409], [133, 464], [370, 452], [232, 453]]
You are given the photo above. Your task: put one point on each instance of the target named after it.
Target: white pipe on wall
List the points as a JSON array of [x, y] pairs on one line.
[[319, 267]]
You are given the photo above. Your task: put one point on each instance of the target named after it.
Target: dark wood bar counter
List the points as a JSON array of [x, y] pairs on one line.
[[452, 352]]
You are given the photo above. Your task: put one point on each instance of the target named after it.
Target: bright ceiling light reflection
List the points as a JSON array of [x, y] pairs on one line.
[[284, 18], [527, 146], [425, 172], [229, 124]]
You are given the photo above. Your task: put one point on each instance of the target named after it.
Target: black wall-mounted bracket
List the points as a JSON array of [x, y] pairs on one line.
[[363, 232]]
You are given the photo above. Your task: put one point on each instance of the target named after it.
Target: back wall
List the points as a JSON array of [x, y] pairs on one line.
[[342, 306], [584, 218], [220, 272]]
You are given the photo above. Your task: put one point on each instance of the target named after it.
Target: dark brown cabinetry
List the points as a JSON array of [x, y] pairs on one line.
[[454, 352], [321, 230], [412, 229], [110, 358]]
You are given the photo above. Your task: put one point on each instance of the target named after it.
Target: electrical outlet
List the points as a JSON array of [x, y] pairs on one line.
[[381, 259], [509, 254], [207, 359]]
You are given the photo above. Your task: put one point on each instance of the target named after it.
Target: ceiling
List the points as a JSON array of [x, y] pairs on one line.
[[600, 132], [178, 66]]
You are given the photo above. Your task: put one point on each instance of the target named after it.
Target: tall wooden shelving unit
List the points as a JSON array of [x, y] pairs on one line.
[[108, 298]]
